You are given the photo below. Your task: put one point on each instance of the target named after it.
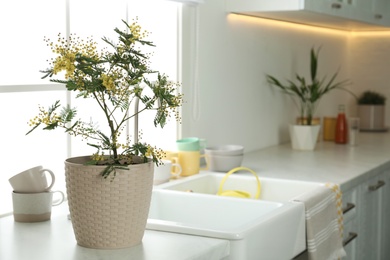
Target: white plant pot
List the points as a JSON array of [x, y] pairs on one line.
[[304, 137]]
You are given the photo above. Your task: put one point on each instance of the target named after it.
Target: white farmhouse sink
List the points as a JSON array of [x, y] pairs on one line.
[[272, 189], [256, 229], [272, 227]]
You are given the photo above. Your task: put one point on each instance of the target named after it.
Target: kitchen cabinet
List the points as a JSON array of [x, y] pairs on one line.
[[350, 223], [385, 229], [353, 15], [376, 12], [337, 8], [368, 220], [369, 206], [350, 239], [373, 11]]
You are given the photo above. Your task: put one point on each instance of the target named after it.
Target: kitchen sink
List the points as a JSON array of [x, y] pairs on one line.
[[270, 227], [255, 229], [272, 189]]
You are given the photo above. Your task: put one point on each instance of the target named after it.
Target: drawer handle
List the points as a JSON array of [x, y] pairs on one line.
[[376, 186], [348, 207], [351, 236], [336, 5]]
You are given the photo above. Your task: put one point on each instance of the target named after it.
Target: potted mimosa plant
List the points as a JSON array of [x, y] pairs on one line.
[[109, 213]]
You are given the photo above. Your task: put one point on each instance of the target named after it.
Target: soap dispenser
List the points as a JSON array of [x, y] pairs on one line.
[[341, 135]]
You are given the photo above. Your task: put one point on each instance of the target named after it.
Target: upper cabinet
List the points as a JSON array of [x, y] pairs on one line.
[[351, 15], [373, 11]]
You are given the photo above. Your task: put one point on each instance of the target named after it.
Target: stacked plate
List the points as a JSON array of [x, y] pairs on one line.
[[223, 158]]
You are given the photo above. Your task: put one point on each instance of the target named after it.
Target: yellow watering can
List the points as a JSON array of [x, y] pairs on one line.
[[238, 193]]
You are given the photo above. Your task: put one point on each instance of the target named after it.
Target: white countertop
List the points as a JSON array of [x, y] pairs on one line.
[[54, 239], [329, 162]]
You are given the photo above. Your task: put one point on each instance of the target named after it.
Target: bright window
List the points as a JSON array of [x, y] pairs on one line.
[[23, 54]]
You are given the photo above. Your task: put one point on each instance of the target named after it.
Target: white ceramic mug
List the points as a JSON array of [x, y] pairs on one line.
[[32, 180], [34, 207], [164, 172]]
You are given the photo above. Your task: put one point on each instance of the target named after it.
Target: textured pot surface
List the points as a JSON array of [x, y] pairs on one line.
[[372, 117], [105, 213]]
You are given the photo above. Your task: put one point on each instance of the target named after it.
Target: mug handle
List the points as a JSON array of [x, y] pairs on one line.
[[53, 178], [176, 166], [206, 157], [174, 160], [60, 200], [178, 170]]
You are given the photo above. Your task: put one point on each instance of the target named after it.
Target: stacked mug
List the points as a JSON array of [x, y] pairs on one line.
[[190, 155], [32, 196], [186, 161]]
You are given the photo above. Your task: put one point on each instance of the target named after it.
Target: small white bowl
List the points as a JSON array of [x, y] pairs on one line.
[[225, 150], [223, 163]]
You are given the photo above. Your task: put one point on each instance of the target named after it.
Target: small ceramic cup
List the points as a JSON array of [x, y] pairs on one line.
[[164, 172], [32, 180], [34, 207]]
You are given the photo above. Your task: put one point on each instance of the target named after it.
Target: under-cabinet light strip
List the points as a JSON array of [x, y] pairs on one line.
[[283, 24], [317, 29]]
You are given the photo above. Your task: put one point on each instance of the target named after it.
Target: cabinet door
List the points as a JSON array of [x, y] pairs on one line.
[[373, 11], [369, 205], [337, 8], [380, 12], [379, 7], [385, 243], [350, 235]]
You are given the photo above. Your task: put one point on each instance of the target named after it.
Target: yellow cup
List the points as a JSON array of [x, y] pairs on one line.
[[190, 162]]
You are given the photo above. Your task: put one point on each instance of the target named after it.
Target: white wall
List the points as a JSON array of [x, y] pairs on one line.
[[370, 64], [237, 106]]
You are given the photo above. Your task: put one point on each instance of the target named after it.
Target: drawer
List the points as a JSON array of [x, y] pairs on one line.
[[350, 237], [349, 200]]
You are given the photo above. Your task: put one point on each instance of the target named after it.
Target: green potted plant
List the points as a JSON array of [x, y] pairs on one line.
[[109, 213], [306, 95], [371, 111]]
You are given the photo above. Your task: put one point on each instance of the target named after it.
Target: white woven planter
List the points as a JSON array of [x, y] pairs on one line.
[[108, 214]]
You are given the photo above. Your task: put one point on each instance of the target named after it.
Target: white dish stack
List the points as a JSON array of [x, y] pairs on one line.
[[223, 158]]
